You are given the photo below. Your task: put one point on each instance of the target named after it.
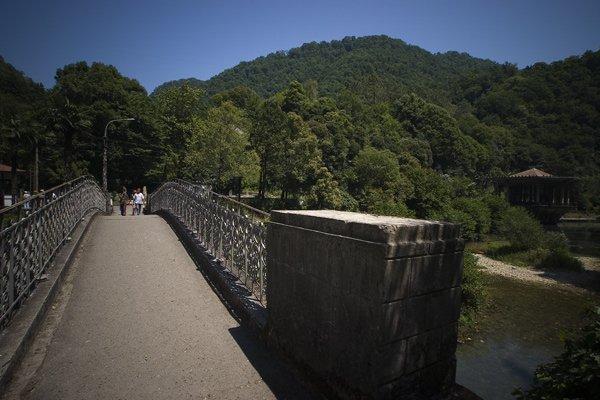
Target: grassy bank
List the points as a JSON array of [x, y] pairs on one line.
[[474, 296], [548, 255]]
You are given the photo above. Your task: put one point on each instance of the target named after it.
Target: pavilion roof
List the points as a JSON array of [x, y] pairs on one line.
[[531, 173], [7, 168]]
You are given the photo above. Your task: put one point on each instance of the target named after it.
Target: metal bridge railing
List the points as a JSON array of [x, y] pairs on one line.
[[232, 232], [33, 230]]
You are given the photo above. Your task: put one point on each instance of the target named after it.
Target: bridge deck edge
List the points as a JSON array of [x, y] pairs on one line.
[[18, 336], [240, 302]]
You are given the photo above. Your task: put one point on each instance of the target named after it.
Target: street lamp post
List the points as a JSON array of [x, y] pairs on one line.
[[105, 153]]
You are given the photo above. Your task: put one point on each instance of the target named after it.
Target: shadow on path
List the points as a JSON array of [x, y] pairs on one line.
[[587, 279], [274, 373]]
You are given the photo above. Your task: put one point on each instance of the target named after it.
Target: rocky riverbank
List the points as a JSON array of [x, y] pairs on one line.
[[587, 280]]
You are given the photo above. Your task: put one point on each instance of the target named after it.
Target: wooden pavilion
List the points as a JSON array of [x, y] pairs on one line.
[[547, 196]]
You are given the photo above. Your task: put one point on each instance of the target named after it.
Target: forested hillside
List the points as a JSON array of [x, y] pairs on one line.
[[369, 124], [377, 68], [553, 111], [546, 115]]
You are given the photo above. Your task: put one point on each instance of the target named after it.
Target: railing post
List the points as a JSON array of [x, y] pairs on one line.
[[3, 266], [231, 246], [28, 248], [261, 274], [11, 269], [246, 264], [220, 251]]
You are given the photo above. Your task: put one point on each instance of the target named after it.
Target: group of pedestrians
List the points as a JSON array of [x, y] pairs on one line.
[[40, 200], [136, 200]]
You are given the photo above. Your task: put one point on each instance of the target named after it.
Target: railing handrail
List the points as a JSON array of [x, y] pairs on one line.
[[232, 232], [24, 219], [30, 243], [40, 194], [261, 213]]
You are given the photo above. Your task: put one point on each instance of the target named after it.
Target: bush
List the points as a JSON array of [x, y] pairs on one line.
[[474, 216], [552, 252], [591, 193], [497, 205], [556, 241], [575, 374], [468, 225], [325, 193], [561, 260], [558, 256], [521, 258], [523, 231], [383, 203], [473, 290]]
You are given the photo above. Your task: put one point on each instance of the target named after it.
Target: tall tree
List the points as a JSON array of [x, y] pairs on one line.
[[302, 157], [268, 135], [85, 98], [20, 101], [177, 107], [218, 148]]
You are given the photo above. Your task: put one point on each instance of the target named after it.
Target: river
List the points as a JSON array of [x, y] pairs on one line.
[[523, 325], [584, 237], [521, 329]]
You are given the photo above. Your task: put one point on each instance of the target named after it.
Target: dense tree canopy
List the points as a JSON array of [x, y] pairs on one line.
[[378, 68], [367, 123]]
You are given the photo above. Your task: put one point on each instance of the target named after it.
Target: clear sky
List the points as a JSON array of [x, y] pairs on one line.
[[155, 41]]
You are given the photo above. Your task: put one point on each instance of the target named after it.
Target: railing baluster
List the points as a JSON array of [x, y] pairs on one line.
[[230, 231], [11, 269], [28, 244]]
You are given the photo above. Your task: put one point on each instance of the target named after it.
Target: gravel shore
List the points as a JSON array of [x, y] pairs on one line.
[[587, 280]]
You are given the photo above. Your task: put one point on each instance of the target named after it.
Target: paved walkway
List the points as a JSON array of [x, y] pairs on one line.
[[140, 322]]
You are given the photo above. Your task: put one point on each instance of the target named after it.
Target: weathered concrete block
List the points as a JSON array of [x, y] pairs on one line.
[[413, 315], [368, 303]]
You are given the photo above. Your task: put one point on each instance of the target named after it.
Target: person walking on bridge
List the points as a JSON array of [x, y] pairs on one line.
[[123, 200], [133, 194], [138, 201]]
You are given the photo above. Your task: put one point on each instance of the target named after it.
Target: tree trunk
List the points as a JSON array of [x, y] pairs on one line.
[[263, 179]]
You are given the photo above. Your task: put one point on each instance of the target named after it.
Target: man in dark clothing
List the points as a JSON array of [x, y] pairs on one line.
[[123, 200]]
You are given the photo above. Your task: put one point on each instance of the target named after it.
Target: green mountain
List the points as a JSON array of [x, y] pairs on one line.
[[553, 113], [449, 112], [377, 68], [548, 113]]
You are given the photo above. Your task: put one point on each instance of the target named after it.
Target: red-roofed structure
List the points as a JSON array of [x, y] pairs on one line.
[[547, 196], [532, 172], [5, 169]]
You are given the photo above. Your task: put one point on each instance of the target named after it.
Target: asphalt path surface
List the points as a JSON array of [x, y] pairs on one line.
[[137, 320]]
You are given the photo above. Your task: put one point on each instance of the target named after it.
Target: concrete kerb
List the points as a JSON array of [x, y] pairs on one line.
[[19, 334]]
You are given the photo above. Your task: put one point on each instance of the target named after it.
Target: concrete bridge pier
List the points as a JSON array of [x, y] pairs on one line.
[[369, 304]]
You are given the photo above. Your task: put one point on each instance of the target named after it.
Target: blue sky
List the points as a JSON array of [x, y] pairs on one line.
[[156, 41]]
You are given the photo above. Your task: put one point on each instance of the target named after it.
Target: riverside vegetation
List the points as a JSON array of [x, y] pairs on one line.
[[574, 374], [366, 124]]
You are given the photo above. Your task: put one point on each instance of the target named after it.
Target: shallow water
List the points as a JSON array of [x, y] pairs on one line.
[[584, 237], [522, 329]]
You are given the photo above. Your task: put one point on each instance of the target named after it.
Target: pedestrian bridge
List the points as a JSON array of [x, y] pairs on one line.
[[205, 297]]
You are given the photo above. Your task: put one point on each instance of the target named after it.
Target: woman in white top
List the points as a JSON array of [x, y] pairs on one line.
[[138, 201]]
